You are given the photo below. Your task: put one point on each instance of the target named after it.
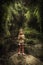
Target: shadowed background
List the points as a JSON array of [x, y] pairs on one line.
[[27, 14]]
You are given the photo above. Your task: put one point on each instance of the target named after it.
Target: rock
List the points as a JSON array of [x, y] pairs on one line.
[[24, 60]]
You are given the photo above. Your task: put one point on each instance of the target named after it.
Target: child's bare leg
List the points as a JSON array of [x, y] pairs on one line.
[[23, 49], [19, 48]]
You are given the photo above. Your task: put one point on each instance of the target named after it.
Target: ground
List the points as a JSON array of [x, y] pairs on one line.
[[24, 60]]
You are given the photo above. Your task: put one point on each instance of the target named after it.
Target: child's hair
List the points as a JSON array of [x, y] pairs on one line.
[[21, 31]]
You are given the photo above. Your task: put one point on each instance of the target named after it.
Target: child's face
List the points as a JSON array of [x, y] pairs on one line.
[[21, 30]]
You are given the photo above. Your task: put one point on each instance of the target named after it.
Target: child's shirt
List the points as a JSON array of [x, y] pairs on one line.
[[21, 38]]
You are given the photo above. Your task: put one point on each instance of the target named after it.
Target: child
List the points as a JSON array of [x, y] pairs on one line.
[[21, 38]]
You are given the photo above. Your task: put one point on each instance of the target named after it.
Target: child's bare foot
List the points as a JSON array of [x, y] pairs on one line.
[[23, 53], [18, 53]]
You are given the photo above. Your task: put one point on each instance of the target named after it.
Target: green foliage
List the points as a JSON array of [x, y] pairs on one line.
[[15, 12], [25, 14]]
